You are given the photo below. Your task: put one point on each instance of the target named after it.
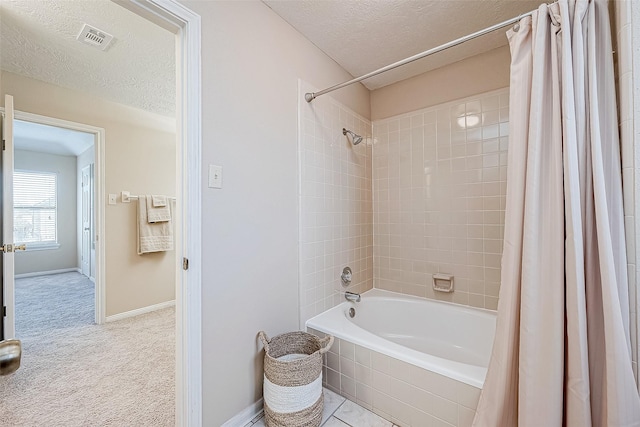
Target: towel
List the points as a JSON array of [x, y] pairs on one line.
[[159, 201], [157, 214], [153, 237]]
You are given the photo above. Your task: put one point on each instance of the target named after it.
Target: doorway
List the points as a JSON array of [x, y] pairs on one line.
[[55, 287], [73, 349], [186, 25], [58, 172]]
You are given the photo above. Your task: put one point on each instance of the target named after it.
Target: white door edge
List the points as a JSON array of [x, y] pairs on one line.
[[8, 260], [85, 200]]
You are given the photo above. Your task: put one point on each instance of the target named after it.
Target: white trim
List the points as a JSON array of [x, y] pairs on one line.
[[100, 194], [139, 311], [245, 416], [46, 273], [299, 159], [8, 258], [189, 205]]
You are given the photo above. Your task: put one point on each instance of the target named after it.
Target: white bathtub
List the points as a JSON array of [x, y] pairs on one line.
[[413, 361], [449, 339]]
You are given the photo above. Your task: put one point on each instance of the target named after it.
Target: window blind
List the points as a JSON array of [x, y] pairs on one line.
[[34, 207]]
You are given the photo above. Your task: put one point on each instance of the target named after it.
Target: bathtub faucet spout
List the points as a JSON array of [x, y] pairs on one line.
[[352, 296]]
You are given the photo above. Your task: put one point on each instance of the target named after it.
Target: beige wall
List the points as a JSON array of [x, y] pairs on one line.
[[145, 165], [251, 63], [140, 157], [481, 73], [65, 256]]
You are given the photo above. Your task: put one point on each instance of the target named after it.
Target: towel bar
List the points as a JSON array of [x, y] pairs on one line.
[[127, 198]]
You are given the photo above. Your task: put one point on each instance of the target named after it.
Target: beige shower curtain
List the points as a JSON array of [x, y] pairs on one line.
[[562, 352]]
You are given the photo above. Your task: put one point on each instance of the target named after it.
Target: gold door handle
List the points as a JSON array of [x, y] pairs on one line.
[[12, 248]]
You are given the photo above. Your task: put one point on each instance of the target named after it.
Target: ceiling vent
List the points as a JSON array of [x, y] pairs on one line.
[[95, 37]]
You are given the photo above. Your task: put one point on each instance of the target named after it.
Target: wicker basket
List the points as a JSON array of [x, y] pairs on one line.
[[293, 379]]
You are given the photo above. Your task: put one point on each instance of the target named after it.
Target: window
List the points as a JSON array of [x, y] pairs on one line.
[[34, 208]]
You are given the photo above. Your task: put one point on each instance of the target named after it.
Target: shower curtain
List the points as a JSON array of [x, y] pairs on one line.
[[562, 352]]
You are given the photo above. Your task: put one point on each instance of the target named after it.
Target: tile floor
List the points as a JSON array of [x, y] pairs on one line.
[[339, 412]]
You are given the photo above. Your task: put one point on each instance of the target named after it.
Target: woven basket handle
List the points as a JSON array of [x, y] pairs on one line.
[[326, 343], [265, 340]]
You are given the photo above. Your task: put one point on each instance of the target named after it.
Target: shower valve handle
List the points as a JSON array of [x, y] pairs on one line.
[[346, 276]]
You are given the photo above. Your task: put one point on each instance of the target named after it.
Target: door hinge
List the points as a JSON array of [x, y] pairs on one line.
[[4, 311], [185, 263], [4, 146]]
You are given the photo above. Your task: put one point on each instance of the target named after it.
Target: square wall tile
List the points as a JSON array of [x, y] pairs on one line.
[[457, 199], [627, 19], [336, 203]]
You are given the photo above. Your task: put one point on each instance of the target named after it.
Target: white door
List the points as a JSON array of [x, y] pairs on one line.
[[87, 214], [92, 204], [7, 219]]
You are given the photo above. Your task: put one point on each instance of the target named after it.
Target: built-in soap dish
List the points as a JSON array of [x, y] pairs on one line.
[[443, 282]]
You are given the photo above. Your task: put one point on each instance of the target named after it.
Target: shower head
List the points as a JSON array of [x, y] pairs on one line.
[[355, 138]]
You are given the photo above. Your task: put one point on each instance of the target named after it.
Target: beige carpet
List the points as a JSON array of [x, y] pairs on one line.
[[75, 373]]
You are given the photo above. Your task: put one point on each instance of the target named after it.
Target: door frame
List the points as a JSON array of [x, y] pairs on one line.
[[99, 197], [177, 18]]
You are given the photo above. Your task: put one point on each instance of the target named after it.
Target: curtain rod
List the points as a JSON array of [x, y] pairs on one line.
[[310, 96]]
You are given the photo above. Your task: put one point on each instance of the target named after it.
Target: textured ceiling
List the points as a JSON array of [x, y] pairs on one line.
[[38, 40], [30, 136], [365, 35]]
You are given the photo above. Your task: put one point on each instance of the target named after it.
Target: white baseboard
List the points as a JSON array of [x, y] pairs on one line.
[[245, 416], [93, 279], [139, 311], [46, 273]]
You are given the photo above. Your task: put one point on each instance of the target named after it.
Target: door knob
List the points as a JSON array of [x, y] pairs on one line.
[[12, 248]]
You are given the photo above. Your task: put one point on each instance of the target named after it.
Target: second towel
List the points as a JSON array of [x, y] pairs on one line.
[[159, 213]]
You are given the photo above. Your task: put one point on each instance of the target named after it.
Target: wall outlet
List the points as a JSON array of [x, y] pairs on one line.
[[113, 199], [215, 176]]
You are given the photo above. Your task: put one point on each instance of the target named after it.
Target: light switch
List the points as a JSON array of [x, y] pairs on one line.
[[113, 198], [215, 176]]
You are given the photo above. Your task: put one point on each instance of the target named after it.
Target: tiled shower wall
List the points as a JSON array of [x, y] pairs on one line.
[[336, 217], [626, 62], [439, 179]]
